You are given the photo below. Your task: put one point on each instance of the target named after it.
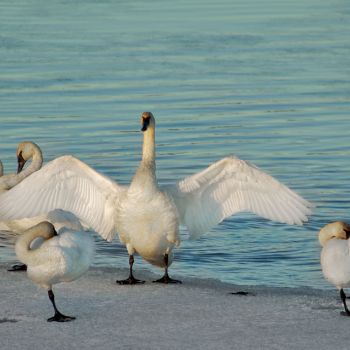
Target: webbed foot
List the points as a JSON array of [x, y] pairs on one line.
[[241, 293], [166, 279], [58, 317], [17, 267], [129, 281]]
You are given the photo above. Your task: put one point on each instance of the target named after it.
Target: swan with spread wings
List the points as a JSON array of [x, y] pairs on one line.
[[145, 215]]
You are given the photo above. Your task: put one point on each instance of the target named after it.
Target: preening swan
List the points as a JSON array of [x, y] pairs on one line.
[[335, 257], [146, 215], [60, 258], [59, 218], [25, 151]]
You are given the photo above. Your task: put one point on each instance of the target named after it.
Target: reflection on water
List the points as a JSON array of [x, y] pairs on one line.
[[266, 81]]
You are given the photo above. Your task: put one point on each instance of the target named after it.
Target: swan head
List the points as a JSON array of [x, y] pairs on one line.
[[45, 229], [147, 121], [25, 151], [338, 230]]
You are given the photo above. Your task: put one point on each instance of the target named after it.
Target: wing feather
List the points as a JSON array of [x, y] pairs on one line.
[[232, 185], [69, 184]]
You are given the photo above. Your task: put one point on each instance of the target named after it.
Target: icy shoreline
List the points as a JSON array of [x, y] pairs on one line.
[[199, 314]]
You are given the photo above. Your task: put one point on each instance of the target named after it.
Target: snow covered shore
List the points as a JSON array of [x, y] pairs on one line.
[[199, 314]]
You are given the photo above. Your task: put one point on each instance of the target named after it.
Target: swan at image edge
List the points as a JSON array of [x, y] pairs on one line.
[[335, 257], [26, 150], [199, 201], [61, 257]]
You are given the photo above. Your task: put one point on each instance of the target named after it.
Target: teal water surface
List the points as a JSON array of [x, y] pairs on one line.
[[267, 81]]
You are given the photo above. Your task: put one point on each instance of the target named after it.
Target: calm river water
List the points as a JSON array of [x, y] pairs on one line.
[[264, 80]]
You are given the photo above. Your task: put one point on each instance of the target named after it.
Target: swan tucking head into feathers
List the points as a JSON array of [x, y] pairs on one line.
[[337, 229]]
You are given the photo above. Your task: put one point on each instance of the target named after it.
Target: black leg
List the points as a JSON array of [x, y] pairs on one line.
[[166, 279], [131, 279], [18, 267], [343, 298], [58, 317]]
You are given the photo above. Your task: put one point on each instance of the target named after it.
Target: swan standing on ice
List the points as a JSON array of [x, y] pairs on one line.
[[25, 151], [146, 215], [60, 258], [335, 257]]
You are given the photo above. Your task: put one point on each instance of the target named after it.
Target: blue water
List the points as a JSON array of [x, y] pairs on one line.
[[267, 81]]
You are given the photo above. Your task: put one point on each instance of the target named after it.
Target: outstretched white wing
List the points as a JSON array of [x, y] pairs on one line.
[[69, 184], [230, 186]]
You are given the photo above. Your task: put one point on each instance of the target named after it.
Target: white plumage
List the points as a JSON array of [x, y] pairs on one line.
[[58, 217], [335, 256], [146, 215], [28, 150], [60, 258], [232, 185]]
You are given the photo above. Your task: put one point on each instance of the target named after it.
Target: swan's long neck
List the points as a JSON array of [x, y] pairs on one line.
[[11, 180], [35, 164], [145, 176], [22, 248], [1, 169], [149, 148]]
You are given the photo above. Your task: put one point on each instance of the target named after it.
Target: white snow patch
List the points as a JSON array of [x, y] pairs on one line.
[[199, 314]]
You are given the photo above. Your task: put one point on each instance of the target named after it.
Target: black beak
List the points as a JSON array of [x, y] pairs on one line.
[[347, 231], [20, 162], [145, 123], [55, 232]]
